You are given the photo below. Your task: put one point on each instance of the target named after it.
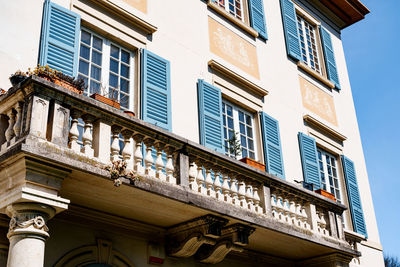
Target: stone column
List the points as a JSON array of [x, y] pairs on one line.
[[28, 233]]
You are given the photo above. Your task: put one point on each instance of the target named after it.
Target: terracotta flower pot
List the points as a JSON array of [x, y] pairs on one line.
[[253, 163], [325, 194], [63, 83], [106, 100], [130, 113]]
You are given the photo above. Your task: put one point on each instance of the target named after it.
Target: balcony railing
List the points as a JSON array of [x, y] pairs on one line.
[[52, 117]]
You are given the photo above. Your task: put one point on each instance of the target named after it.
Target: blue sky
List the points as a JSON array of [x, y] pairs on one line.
[[372, 51]]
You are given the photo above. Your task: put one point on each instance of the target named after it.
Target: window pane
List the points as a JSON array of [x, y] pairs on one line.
[[95, 73], [85, 37], [113, 80], [251, 144], [229, 110], [248, 120], [252, 155], [124, 71], [97, 43], [94, 87], [114, 65], [83, 67], [85, 52], [124, 100], [249, 132], [242, 128], [230, 123], [241, 116], [243, 141], [96, 57], [124, 85], [125, 57], [114, 51]]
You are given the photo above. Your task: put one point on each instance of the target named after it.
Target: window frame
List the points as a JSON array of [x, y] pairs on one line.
[[339, 177], [226, 7], [105, 66], [236, 124]]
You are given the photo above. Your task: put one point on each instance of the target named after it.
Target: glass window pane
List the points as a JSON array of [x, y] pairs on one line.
[[124, 100], [243, 140], [125, 56], [96, 57], [84, 79], [85, 37], [244, 152], [229, 110], [85, 52], [114, 65], [249, 132], [230, 123], [231, 134], [124, 85], [94, 87], [242, 128], [95, 73], [114, 51], [113, 80], [83, 67], [241, 116], [251, 144], [97, 43], [124, 71], [248, 120]]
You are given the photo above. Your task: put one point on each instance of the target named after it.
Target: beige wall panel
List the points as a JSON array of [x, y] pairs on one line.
[[140, 5], [233, 48], [317, 101]]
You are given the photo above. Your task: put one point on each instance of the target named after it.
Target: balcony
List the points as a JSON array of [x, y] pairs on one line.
[[202, 203]]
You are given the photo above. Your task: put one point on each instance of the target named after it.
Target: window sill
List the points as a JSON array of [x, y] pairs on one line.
[[232, 19], [119, 11], [214, 65], [322, 126], [315, 74]]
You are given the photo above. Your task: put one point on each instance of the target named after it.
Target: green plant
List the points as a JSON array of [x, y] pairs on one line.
[[118, 170], [391, 261], [19, 73], [234, 147]]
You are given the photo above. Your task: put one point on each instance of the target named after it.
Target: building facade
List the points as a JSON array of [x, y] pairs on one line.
[[243, 150]]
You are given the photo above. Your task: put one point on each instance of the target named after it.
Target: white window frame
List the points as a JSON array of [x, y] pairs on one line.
[[236, 127], [105, 68], [316, 53], [339, 194], [225, 5]]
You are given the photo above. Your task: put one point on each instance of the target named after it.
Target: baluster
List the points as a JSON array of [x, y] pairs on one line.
[[74, 132], [208, 181], [200, 177], [18, 119], [242, 193], [234, 192], [148, 160], [286, 208], [274, 201], [256, 199], [169, 167], [115, 149], [192, 174], [138, 156], [159, 164], [217, 183], [11, 122], [292, 208], [225, 186], [127, 150], [87, 137], [249, 196], [305, 222], [279, 207]]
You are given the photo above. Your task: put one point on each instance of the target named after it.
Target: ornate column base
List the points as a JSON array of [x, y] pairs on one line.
[[28, 233]]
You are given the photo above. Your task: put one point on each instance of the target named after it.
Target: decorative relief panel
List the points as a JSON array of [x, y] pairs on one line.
[[140, 5], [233, 48], [317, 101]]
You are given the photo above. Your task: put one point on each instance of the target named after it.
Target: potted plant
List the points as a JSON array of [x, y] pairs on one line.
[[17, 77], [254, 163], [110, 100], [325, 194]]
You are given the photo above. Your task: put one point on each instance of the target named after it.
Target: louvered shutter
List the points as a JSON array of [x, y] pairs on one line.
[[330, 61], [59, 44], [257, 17], [272, 145], [290, 29], [156, 90], [309, 160], [210, 116], [353, 193]]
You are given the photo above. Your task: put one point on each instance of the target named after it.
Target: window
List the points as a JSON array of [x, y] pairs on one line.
[[240, 122], [233, 7], [106, 68], [328, 173], [308, 44]]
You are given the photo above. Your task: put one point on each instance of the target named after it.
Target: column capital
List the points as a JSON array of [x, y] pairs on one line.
[[29, 218]]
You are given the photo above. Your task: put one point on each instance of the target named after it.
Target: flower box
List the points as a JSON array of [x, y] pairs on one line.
[[62, 83], [325, 194], [253, 163], [105, 100]]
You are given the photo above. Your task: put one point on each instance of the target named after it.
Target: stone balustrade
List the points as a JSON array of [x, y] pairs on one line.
[[90, 129]]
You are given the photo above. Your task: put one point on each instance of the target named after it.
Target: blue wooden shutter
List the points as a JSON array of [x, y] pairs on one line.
[[290, 29], [210, 116], [330, 61], [353, 193], [156, 90], [272, 145], [309, 160], [257, 17], [59, 44]]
